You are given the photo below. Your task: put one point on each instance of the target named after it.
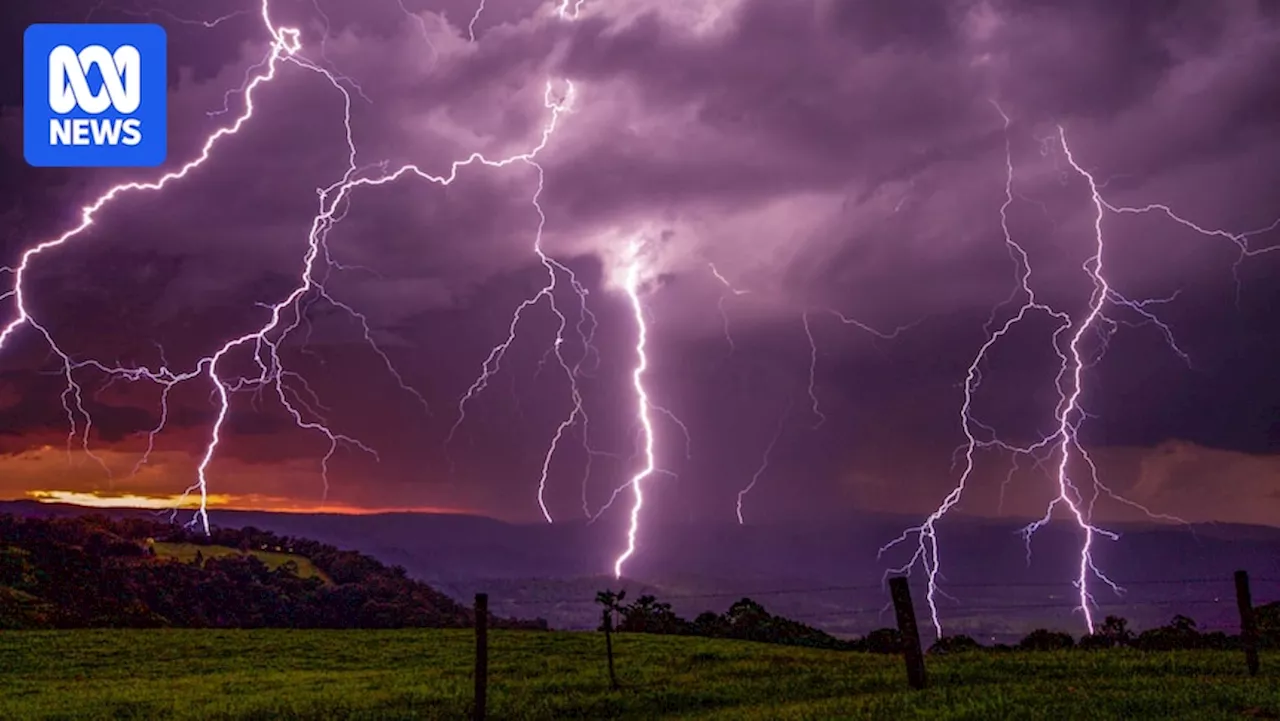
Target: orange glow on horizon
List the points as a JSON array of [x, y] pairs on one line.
[[225, 502], [120, 500]]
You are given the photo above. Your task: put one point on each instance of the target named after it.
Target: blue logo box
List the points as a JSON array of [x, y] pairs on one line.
[[94, 95]]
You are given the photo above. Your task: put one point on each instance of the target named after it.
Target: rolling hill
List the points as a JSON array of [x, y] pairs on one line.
[[824, 574], [92, 571]]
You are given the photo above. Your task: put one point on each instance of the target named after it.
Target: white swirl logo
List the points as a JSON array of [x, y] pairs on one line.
[[121, 79]]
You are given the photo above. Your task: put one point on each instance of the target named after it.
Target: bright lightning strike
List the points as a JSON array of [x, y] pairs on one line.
[[285, 46], [569, 9], [1063, 444], [631, 285], [585, 329], [264, 342]]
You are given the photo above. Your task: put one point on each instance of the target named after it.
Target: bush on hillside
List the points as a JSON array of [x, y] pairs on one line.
[[94, 572]]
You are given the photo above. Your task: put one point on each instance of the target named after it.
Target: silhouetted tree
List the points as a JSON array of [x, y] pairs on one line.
[[745, 619], [884, 640], [1116, 629], [1268, 619], [745, 615], [647, 615], [1043, 639], [1114, 632], [710, 624], [1217, 641], [1179, 633], [954, 644], [611, 602]]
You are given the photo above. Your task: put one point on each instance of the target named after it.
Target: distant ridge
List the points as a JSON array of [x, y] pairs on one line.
[[898, 521], [552, 571]]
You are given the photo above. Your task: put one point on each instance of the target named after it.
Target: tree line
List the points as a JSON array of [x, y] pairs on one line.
[[92, 571], [748, 620]]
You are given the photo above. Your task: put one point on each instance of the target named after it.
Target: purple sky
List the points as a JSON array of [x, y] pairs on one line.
[[829, 158]]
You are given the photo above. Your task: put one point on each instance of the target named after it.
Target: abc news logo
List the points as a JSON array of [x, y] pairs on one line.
[[94, 95], [69, 89]]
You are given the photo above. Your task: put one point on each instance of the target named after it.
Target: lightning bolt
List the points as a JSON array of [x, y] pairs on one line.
[[813, 351], [585, 327], [264, 343], [285, 46], [569, 9], [813, 372], [1061, 451], [493, 362], [643, 441], [471, 26], [287, 316], [724, 315], [151, 13], [631, 285], [812, 388], [764, 462]]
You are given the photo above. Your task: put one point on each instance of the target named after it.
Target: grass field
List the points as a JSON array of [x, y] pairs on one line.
[[274, 674], [186, 552]]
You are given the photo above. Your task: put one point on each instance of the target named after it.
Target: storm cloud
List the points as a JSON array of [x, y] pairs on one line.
[[831, 161]]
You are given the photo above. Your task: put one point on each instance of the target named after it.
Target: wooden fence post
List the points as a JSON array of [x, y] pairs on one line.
[[608, 646], [1248, 624], [910, 633], [482, 655]]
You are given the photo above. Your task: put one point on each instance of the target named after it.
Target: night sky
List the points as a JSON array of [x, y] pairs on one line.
[[828, 159]]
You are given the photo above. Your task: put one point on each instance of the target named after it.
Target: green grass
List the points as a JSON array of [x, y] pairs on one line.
[[426, 674], [186, 552]]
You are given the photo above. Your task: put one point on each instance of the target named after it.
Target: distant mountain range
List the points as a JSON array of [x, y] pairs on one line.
[[825, 575]]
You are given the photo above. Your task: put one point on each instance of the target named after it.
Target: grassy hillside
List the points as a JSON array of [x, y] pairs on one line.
[[97, 572], [426, 674], [186, 553]]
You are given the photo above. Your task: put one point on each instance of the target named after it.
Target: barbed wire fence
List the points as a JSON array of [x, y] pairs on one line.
[[1226, 602], [1236, 594]]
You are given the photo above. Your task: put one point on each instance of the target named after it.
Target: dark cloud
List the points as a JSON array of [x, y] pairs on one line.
[[825, 156], [916, 25], [1095, 59]]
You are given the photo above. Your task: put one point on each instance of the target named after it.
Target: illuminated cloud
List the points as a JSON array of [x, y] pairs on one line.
[[822, 154]]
